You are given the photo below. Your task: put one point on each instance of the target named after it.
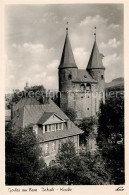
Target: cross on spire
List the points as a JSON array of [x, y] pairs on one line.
[[95, 32]]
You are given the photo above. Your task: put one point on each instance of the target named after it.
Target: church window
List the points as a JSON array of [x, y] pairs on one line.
[[87, 108], [70, 76], [85, 76], [101, 77], [88, 87], [82, 87]]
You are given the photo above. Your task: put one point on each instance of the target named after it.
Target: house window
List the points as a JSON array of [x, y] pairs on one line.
[[58, 126], [69, 76], [53, 127], [49, 128], [53, 146], [46, 149], [45, 128]]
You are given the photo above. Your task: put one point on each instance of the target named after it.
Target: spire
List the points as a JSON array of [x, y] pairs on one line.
[[95, 60], [67, 58]]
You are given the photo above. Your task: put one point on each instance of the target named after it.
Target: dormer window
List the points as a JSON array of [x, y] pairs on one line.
[[70, 76], [51, 122]]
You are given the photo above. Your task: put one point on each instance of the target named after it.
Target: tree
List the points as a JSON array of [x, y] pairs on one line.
[[113, 155], [111, 118], [110, 137], [38, 92], [23, 157], [67, 158], [86, 169], [71, 113], [87, 125]]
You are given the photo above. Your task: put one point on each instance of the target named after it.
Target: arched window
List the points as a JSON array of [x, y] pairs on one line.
[[88, 87], [70, 76], [82, 86]]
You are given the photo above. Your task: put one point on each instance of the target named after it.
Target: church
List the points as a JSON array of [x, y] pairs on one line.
[[81, 89]]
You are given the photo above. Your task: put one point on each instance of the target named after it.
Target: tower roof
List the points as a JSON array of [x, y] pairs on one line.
[[95, 60], [67, 58]]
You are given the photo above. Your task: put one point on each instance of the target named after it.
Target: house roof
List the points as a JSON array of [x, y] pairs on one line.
[[95, 60], [25, 101], [67, 58], [45, 117], [59, 134], [30, 115], [33, 113], [84, 76]]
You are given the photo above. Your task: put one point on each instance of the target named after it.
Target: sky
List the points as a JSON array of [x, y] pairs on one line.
[[35, 37]]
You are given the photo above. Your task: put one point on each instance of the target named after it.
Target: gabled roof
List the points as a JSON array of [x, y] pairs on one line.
[[33, 113], [30, 115], [25, 101], [44, 117], [95, 60], [67, 58], [84, 77]]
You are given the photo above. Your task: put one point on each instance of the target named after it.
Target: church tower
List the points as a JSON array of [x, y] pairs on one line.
[[96, 69], [67, 72], [67, 68], [81, 89]]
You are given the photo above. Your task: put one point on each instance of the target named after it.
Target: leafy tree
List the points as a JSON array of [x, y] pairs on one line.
[[38, 92], [67, 158], [86, 169], [87, 125], [113, 155], [71, 113], [111, 118], [23, 157]]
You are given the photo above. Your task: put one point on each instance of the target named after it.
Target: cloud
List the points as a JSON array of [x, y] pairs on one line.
[[113, 26], [113, 43], [93, 20], [114, 67]]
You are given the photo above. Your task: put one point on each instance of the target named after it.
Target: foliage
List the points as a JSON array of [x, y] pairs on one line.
[[110, 137], [38, 92], [113, 155], [87, 125], [111, 118], [71, 113], [87, 169], [23, 162]]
